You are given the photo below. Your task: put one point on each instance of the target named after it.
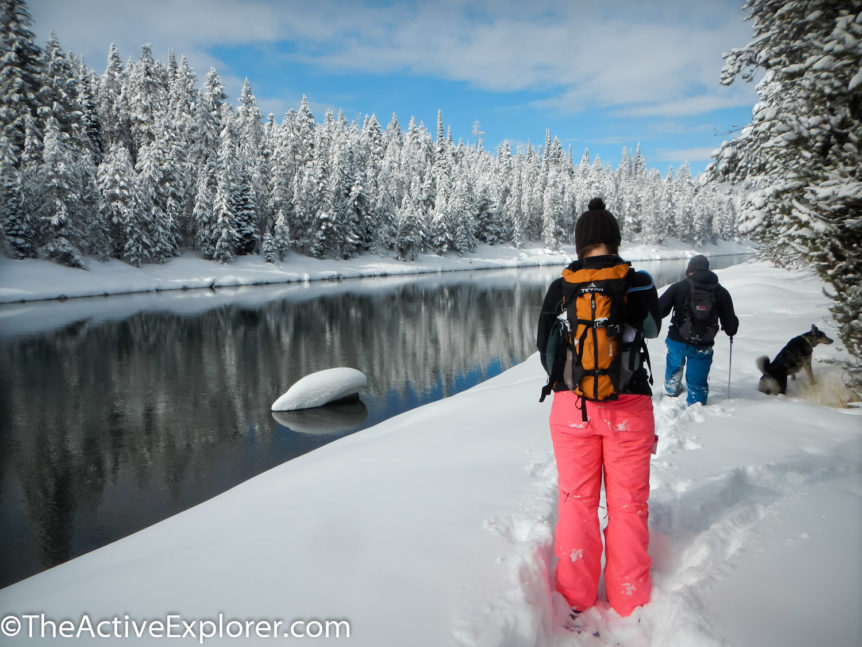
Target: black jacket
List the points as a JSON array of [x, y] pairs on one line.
[[677, 296], [641, 313]]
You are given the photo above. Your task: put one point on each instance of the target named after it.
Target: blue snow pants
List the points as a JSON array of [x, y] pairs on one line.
[[699, 359]]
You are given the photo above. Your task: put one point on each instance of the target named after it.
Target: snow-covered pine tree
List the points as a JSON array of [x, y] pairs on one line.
[[381, 205], [554, 211], [245, 214], [683, 202], [388, 201], [651, 206], [513, 211], [30, 183], [552, 214], [408, 238], [21, 74], [59, 236], [501, 186], [531, 193], [91, 136], [319, 238], [442, 213], [153, 197], [307, 173], [117, 202], [489, 226], [58, 94], [726, 216], [344, 235], [801, 154], [203, 216], [173, 132], [17, 228], [203, 159], [225, 234], [664, 225], [463, 209], [359, 198], [304, 200], [267, 248], [705, 203], [207, 124], [277, 243], [147, 99], [283, 172], [250, 154], [112, 102], [224, 204]]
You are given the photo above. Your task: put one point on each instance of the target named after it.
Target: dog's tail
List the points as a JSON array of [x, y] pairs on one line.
[[762, 363]]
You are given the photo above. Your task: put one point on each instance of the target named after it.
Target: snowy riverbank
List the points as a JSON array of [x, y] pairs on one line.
[[435, 527], [29, 280]]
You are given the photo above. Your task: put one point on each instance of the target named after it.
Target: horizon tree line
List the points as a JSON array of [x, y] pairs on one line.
[[141, 164]]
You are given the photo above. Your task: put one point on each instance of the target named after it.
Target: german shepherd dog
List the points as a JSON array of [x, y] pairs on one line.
[[791, 359]]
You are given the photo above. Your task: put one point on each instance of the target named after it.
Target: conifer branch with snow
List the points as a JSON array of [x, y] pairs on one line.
[[800, 158]]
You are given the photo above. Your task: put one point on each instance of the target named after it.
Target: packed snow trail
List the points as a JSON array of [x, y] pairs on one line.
[[435, 528], [756, 506]]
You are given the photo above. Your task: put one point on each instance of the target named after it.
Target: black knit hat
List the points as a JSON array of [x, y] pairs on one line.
[[697, 263], [597, 226]]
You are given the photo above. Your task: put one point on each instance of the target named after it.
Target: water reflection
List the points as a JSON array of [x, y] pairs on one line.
[[111, 425], [117, 413], [336, 418]]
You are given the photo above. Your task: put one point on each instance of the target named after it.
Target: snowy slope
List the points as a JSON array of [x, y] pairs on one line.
[[436, 527]]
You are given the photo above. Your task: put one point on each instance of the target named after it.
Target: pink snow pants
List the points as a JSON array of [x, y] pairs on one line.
[[616, 442]]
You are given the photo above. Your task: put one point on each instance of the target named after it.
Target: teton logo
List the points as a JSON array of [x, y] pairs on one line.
[[592, 287]]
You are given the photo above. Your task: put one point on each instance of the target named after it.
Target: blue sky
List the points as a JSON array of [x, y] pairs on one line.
[[600, 75]]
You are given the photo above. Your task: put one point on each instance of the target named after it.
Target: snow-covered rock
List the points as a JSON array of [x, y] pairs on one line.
[[321, 388]]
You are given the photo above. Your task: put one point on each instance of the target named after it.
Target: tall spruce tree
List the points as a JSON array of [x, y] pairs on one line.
[[17, 229], [801, 155], [60, 232], [21, 74], [113, 102], [117, 202]]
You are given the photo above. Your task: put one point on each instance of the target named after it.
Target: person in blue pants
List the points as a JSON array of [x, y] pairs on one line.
[[699, 303]]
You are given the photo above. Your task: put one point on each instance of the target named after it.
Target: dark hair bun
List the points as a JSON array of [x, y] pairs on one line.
[[596, 203]]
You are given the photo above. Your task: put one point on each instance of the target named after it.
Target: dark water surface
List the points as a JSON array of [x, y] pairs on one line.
[[118, 412]]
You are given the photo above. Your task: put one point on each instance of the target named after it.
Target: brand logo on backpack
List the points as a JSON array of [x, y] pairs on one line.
[[700, 324]]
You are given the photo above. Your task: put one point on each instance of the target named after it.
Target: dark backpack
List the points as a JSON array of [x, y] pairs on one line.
[[700, 323]]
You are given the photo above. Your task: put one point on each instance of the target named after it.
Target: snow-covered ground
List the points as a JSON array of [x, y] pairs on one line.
[[436, 527], [28, 280]]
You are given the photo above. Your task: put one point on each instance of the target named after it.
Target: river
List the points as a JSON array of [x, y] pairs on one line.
[[118, 412]]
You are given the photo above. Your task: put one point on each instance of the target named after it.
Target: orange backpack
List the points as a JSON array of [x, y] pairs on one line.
[[586, 350]]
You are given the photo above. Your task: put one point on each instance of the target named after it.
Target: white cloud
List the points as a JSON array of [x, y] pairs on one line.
[[687, 106], [645, 58], [87, 27]]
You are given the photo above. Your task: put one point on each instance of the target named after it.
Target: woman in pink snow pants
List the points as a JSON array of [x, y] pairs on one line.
[[613, 444]]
